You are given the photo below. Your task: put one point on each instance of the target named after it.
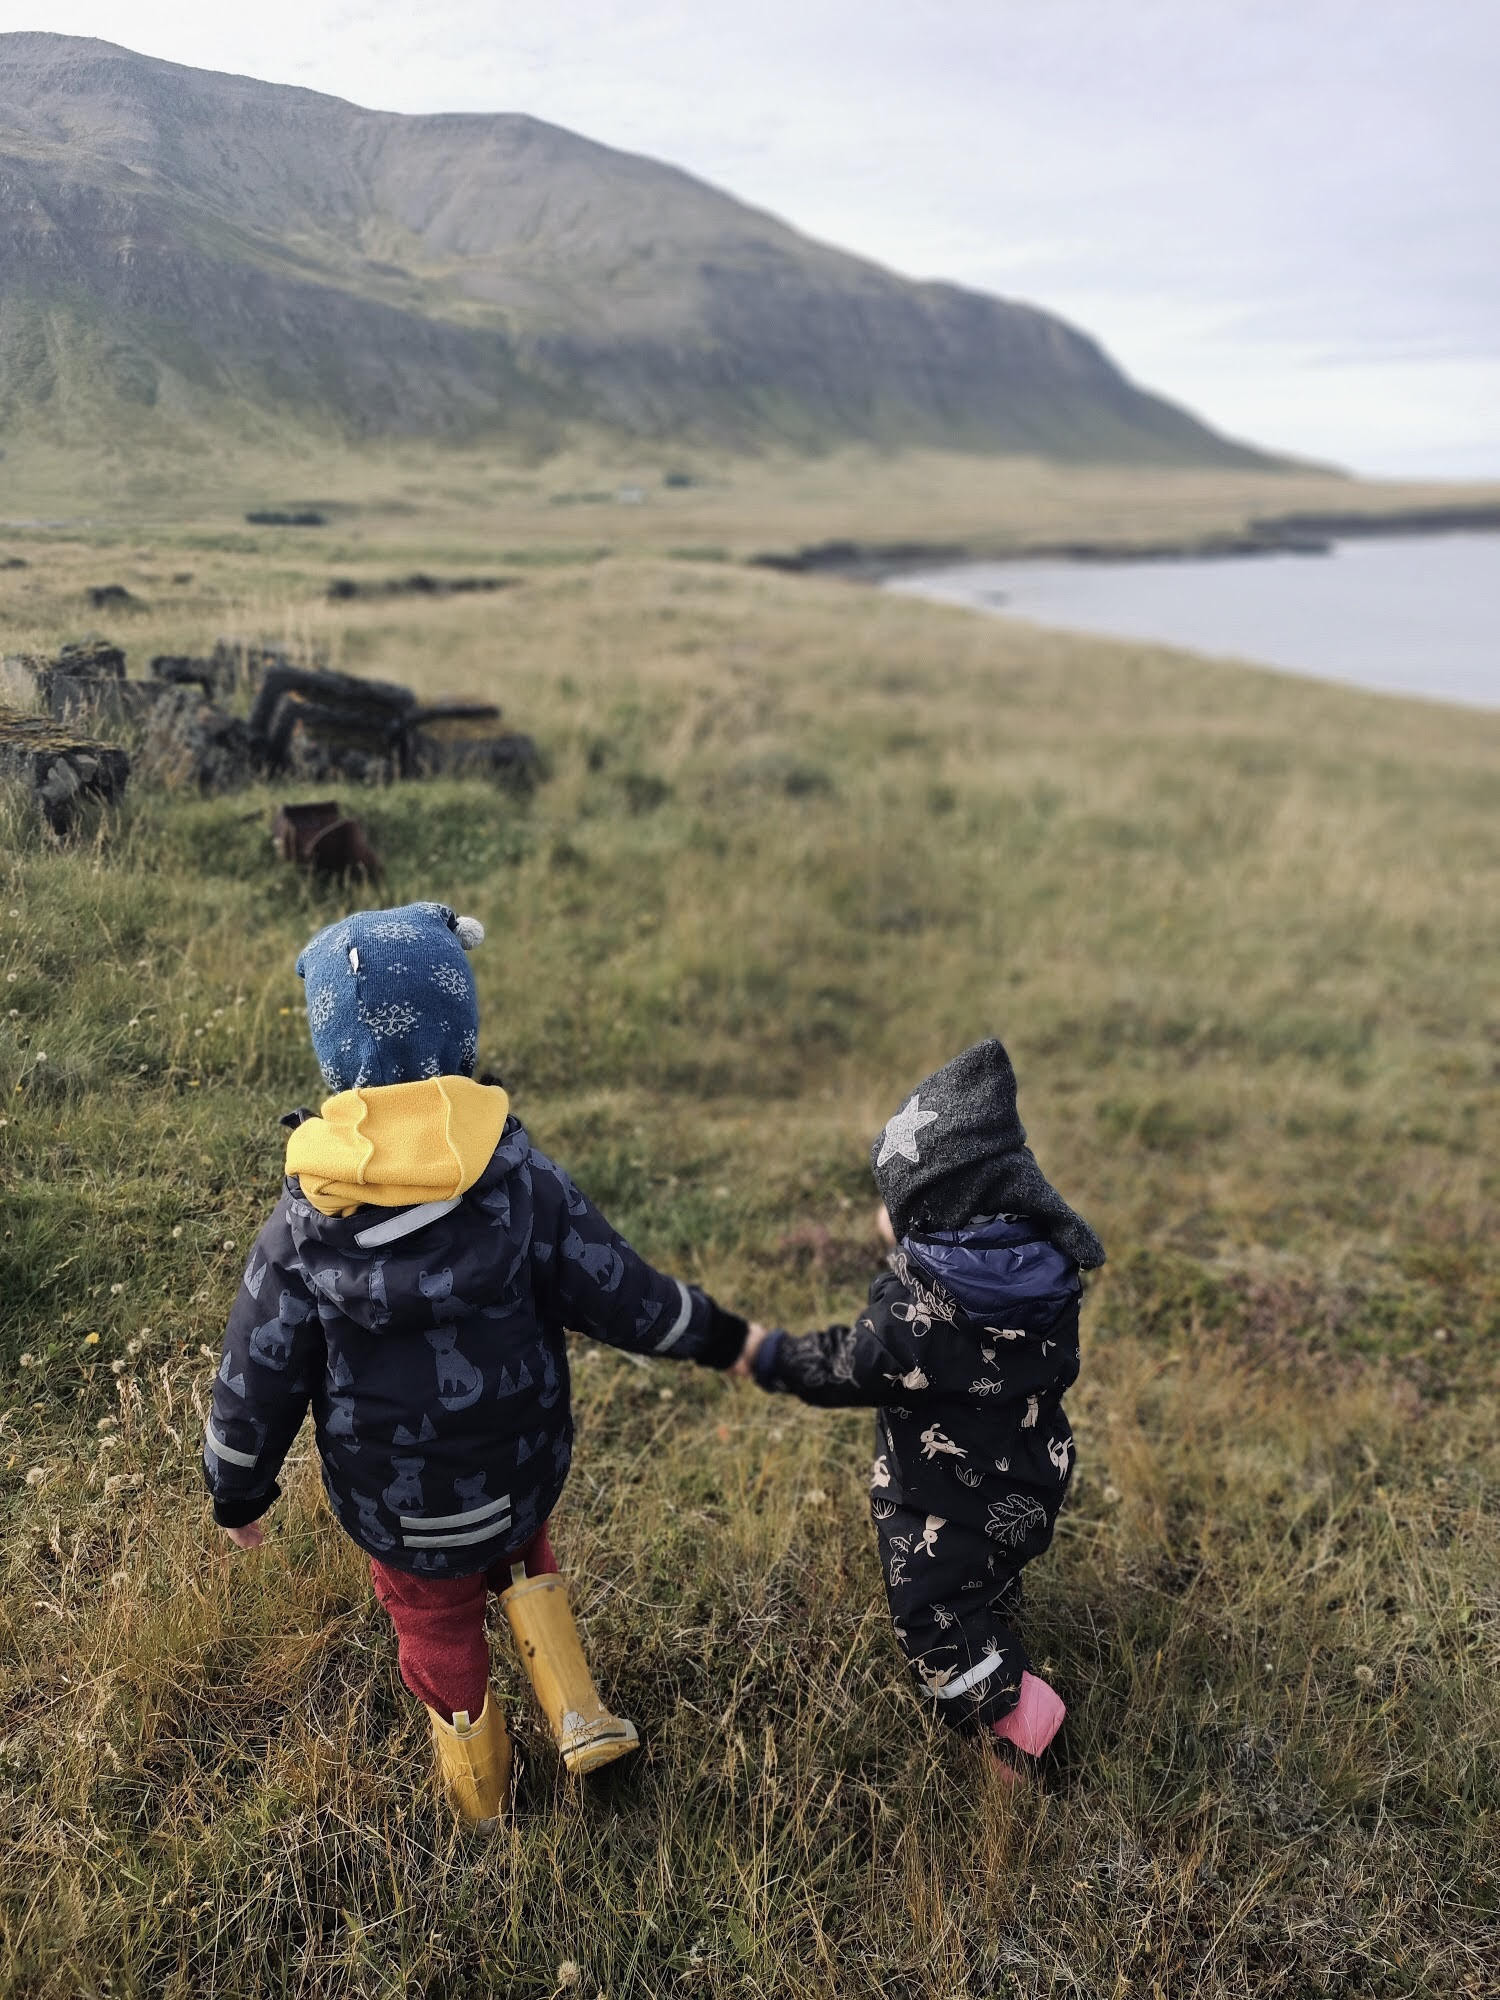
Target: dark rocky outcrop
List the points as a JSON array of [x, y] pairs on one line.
[[101, 698], [218, 675], [419, 584], [64, 773], [1346, 525], [191, 744], [305, 722], [92, 655]]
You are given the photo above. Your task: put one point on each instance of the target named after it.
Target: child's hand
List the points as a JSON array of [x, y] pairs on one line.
[[745, 1366], [249, 1537]]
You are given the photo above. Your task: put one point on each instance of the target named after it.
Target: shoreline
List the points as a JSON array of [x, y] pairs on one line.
[[1308, 533]]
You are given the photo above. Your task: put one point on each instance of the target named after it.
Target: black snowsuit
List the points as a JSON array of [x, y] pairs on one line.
[[434, 1362], [969, 1341]]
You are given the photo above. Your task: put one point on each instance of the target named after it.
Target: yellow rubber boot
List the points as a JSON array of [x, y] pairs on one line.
[[474, 1761], [541, 1624]]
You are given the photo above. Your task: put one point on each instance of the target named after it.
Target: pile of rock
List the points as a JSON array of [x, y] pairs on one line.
[[305, 722], [311, 723]]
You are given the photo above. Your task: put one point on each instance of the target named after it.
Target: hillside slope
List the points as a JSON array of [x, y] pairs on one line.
[[180, 248]]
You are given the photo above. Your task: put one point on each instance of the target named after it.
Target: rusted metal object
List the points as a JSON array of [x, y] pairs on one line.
[[319, 837]]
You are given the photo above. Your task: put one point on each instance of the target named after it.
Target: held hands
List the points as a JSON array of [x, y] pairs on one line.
[[249, 1537], [754, 1340]]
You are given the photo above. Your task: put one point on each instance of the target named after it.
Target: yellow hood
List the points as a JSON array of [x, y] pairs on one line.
[[397, 1144]]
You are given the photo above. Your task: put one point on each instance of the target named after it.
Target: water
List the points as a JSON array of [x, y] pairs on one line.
[[1408, 615]]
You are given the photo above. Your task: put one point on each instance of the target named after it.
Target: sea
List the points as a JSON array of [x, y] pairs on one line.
[[1412, 615]]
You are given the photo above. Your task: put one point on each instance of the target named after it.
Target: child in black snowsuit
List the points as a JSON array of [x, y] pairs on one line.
[[966, 1347], [411, 1289]]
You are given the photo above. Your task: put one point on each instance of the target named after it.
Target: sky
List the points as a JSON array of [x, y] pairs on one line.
[[1283, 213]]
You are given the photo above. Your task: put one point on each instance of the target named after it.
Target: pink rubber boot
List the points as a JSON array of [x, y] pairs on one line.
[[1035, 1719]]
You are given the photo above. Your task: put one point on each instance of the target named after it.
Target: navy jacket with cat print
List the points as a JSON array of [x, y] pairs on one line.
[[433, 1358]]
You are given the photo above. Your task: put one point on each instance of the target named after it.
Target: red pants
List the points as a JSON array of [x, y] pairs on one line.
[[441, 1646]]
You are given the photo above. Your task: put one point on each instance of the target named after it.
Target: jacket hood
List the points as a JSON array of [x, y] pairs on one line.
[[399, 1144], [378, 1285], [996, 1261], [957, 1150]]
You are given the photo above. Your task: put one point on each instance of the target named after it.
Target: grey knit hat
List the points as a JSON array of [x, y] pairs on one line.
[[957, 1149]]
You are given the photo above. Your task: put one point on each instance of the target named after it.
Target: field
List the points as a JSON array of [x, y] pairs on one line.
[[799, 842]]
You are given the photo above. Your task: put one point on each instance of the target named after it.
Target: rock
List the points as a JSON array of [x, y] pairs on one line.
[[62, 772], [218, 675], [190, 743], [100, 698], [320, 722], [91, 655], [278, 517], [460, 739], [113, 597], [247, 665], [418, 584]]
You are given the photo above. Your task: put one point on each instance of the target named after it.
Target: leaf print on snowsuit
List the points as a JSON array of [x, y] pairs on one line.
[[436, 1367], [976, 1331]]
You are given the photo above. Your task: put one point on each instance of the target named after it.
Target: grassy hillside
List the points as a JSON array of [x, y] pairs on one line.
[[800, 843], [73, 514]]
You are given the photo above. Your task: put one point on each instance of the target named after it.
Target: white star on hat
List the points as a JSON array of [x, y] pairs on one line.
[[901, 1133]]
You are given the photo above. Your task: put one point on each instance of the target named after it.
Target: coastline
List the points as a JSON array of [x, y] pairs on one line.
[[1306, 533]]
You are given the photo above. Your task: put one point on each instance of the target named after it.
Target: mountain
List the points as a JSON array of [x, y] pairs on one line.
[[180, 249]]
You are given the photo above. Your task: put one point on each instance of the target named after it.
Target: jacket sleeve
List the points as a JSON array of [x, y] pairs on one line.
[[273, 1346], [594, 1283], [876, 1361]]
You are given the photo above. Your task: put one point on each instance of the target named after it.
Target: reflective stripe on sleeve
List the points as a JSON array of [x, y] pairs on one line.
[[679, 1325], [229, 1455], [950, 1689]]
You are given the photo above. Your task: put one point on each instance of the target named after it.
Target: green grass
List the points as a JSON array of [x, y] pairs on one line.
[[800, 843]]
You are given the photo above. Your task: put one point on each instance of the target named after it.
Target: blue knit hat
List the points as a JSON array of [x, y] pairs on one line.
[[390, 997]]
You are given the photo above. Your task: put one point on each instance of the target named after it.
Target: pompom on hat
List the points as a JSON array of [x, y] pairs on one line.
[[390, 997]]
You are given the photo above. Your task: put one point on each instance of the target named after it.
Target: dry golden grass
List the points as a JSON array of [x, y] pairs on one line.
[[800, 842], [416, 505]]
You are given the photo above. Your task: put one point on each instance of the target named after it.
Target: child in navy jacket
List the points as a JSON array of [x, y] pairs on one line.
[[965, 1349], [411, 1288]]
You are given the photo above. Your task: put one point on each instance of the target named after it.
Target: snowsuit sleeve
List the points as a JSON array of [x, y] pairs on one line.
[[871, 1363], [593, 1282], [273, 1348]]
